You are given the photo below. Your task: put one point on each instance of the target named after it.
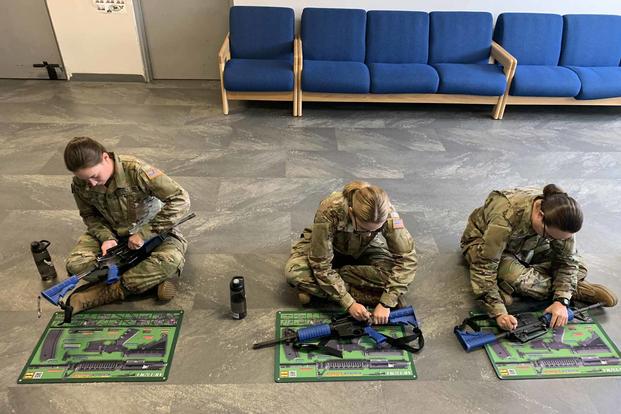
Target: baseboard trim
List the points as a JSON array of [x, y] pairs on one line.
[[106, 77]]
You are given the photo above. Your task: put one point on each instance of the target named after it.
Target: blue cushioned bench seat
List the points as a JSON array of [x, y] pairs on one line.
[[400, 56], [592, 49], [397, 52], [534, 39], [257, 57]]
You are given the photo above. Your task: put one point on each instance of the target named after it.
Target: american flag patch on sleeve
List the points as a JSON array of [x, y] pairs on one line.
[[153, 172], [397, 224]]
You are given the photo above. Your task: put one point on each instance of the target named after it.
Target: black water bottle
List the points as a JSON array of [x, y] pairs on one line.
[[43, 260], [238, 298]]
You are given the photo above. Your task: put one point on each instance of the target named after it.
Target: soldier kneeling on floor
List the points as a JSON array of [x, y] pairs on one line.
[[521, 242], [357, 252], [119, 196]]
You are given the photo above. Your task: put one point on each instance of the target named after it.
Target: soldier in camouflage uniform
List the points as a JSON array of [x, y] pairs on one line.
[[521, 242], [357, 252], [119, 196]]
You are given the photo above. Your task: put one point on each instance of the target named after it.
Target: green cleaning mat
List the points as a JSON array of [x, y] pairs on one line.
[[105, 346], [361, 361], [579, 349]]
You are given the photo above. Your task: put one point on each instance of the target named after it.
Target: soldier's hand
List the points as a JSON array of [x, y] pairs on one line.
[[135, 242], [558, 313], [359, 312], [108, 244], [506, 322], [381, 314]]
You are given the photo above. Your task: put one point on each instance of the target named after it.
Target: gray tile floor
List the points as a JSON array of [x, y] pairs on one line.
[[255, 178]]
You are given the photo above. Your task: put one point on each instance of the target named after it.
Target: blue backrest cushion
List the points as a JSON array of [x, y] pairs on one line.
[[262, 32], [460, 37], [591, 40], [397, 37], [532, 38], [333, 34]]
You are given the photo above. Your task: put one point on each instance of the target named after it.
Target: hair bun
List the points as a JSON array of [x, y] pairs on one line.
[[552, 189]]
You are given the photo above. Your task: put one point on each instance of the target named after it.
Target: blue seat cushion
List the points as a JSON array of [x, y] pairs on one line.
[[258, 75], [335, 77], [261, 32], [591, 40], [403, 78], [334, 34], [397, 37], [599, 83], [532, 38], [535, 80], [460, 37], [464, 79]]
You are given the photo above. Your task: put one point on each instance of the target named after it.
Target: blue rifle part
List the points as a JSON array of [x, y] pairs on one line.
[[348, 327], [529, 327], [116, 261]]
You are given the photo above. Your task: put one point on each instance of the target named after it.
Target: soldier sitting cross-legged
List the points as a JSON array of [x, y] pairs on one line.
[[121, 197], [357, 252]]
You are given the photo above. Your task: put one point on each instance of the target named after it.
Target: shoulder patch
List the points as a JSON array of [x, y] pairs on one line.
[[153, 172], [397, 223], [394, 214]]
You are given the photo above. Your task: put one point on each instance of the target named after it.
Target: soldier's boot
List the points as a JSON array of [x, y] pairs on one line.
[[304, 298], [365, 297], [166, 290], [97, 295], [593, 293]]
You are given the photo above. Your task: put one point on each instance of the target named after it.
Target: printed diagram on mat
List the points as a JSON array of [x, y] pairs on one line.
[[120, 346], [362, 360], [578, 349]]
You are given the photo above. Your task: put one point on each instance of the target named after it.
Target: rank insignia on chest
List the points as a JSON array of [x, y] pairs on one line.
[[397, 223], [153, 172]]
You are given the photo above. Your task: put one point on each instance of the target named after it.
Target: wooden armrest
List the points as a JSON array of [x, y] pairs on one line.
[[300, 54], [224, 54], [503, 57]]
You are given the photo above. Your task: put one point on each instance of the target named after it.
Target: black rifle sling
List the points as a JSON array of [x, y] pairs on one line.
[[405, 343]]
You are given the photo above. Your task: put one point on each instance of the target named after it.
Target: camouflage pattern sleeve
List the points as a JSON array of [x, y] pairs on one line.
[[96, 224], [320, 257], [566, 263], [485, 258], [175, 199], [401, 246]]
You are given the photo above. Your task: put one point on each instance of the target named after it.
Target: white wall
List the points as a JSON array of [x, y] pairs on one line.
[[93, 42], [493, 6]]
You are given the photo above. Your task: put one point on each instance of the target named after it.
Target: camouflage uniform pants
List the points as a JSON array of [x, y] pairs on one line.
[[369, 272], [165, 261], [534, 280]]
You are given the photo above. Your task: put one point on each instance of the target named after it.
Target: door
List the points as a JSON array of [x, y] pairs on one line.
[[27, 38], [183, 37]]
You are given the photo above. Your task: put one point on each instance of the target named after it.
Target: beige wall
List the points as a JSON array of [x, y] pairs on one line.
[[93, 42], [493, 6]]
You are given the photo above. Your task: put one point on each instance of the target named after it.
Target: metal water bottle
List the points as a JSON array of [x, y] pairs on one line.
[[238, 298], [43, 260]]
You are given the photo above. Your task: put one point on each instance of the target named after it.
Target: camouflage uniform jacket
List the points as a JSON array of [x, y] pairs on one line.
[[332, 231], [131, 203], [503, 226]]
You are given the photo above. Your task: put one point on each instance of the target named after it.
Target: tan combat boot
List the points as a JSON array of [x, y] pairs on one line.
[[166, 290], [304, 298], [97, 295], [592, 293]]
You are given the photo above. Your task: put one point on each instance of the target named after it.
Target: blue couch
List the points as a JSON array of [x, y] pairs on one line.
[[571, 60], [351, 55], [257, 57], [401, 56]]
